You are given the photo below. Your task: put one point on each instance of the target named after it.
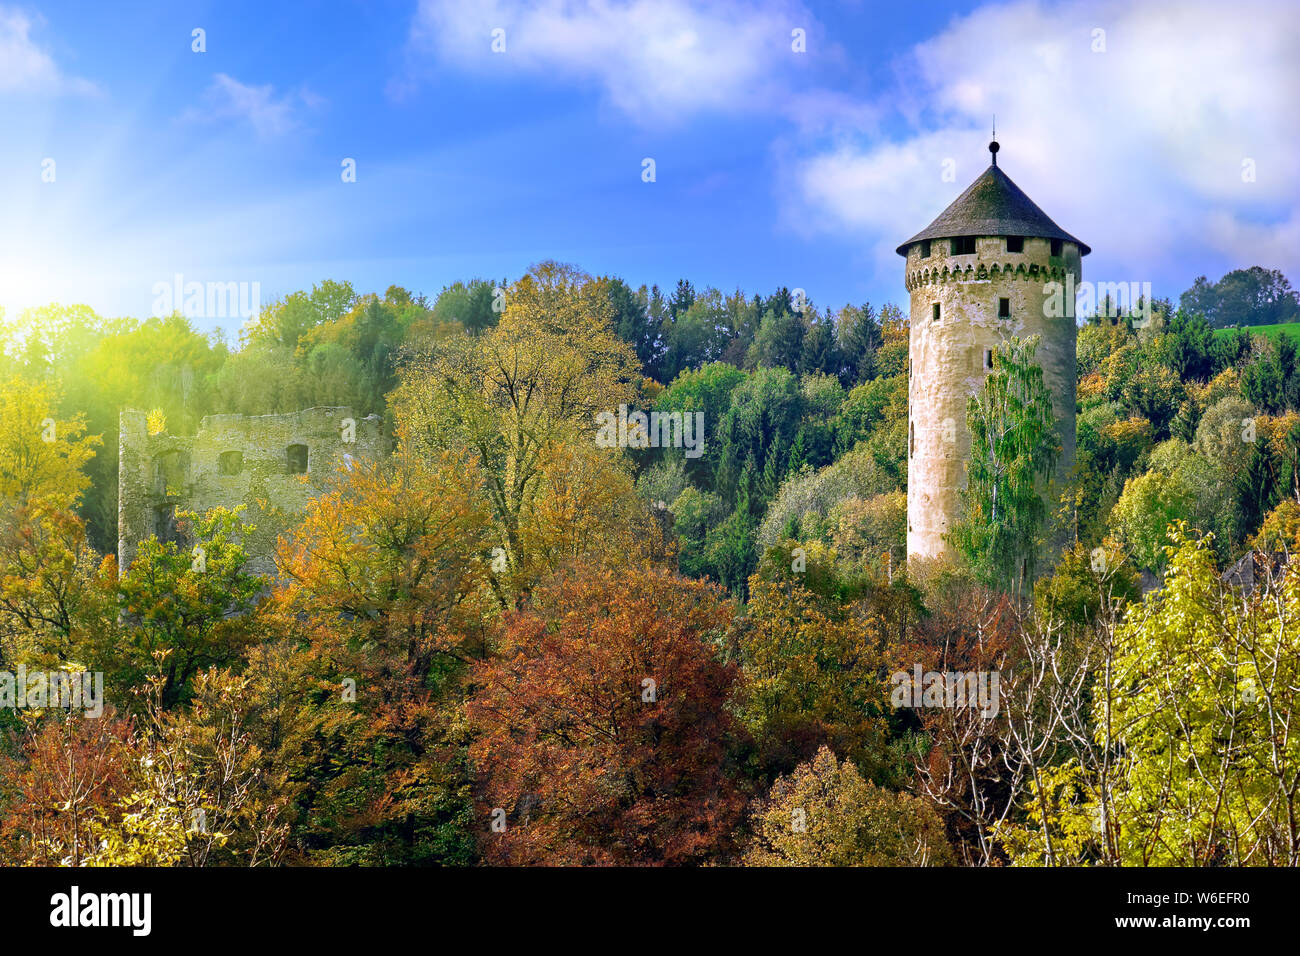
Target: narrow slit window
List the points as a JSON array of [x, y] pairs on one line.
[[1004, 308], [911, 439], [297, 455], [1015, 243], [935, 314], [988, 359]]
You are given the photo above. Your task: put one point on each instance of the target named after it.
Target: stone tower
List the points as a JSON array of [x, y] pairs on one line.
[[979, 274]]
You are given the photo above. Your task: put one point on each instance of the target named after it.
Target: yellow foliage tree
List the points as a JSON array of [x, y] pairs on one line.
[[812, 669], [537, 379], [826, 814], [400, 549], [586, 507], [41, 455], [1281, 529]]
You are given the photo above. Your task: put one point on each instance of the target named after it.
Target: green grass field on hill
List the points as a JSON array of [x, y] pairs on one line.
[[1270, 331]]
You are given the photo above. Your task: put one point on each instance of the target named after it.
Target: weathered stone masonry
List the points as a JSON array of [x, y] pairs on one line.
[[271, 464], [977, 276]]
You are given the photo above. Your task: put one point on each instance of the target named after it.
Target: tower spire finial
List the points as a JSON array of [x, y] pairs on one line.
[[993, 146]]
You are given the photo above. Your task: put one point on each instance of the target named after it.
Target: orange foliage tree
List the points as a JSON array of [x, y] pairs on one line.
[[603, 730], [384, 605], [67, 774]]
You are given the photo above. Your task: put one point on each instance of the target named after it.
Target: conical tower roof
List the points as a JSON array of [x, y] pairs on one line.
[[993, 206]]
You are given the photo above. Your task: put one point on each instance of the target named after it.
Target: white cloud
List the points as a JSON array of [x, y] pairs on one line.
[[269, 115], [1137, 150], [653, 59], [26, 67]]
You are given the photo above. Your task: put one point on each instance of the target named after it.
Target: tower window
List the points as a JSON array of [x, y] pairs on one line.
[[988, 359], [1004, 308], [963, 246], [230, 463], [297, 459], [935, 313], [911, 438], [1056, 247], [925, 249], [1015, 243]]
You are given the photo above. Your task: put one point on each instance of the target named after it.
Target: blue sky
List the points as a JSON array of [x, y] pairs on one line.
[[773, 167]]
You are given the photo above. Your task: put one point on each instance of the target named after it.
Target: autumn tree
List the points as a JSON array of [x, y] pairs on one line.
[[69, 775], [51, 590], [825, 813], [1202, 701], [191, 604], [1186, 756], [960, 761], [538, 378], [1055, 754], [1280, 530], [383, 606], [812, 662], [41, 454], [199, 794], [586, 509], [602, 728], [400, 550], [1179, 485], [285, 321]]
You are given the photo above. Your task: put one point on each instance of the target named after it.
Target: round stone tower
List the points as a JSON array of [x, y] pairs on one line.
[[992, 266]]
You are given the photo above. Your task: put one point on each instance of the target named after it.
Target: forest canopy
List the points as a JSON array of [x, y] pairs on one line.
[[510, 643]]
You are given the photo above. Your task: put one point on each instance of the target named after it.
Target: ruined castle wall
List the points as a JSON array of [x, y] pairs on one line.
[[272, 465], [949, 359]]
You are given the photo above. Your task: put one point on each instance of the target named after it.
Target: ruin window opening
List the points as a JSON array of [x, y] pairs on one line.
[[936, 312], [925, 249], [988, 359], [1004, 308], [230, 463], [963, 246], [1015, 243], [170, 473], [297, 459], [1056, 247], [164, 525]]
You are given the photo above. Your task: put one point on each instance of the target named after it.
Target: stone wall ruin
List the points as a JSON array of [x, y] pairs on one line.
[[272, 465]]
